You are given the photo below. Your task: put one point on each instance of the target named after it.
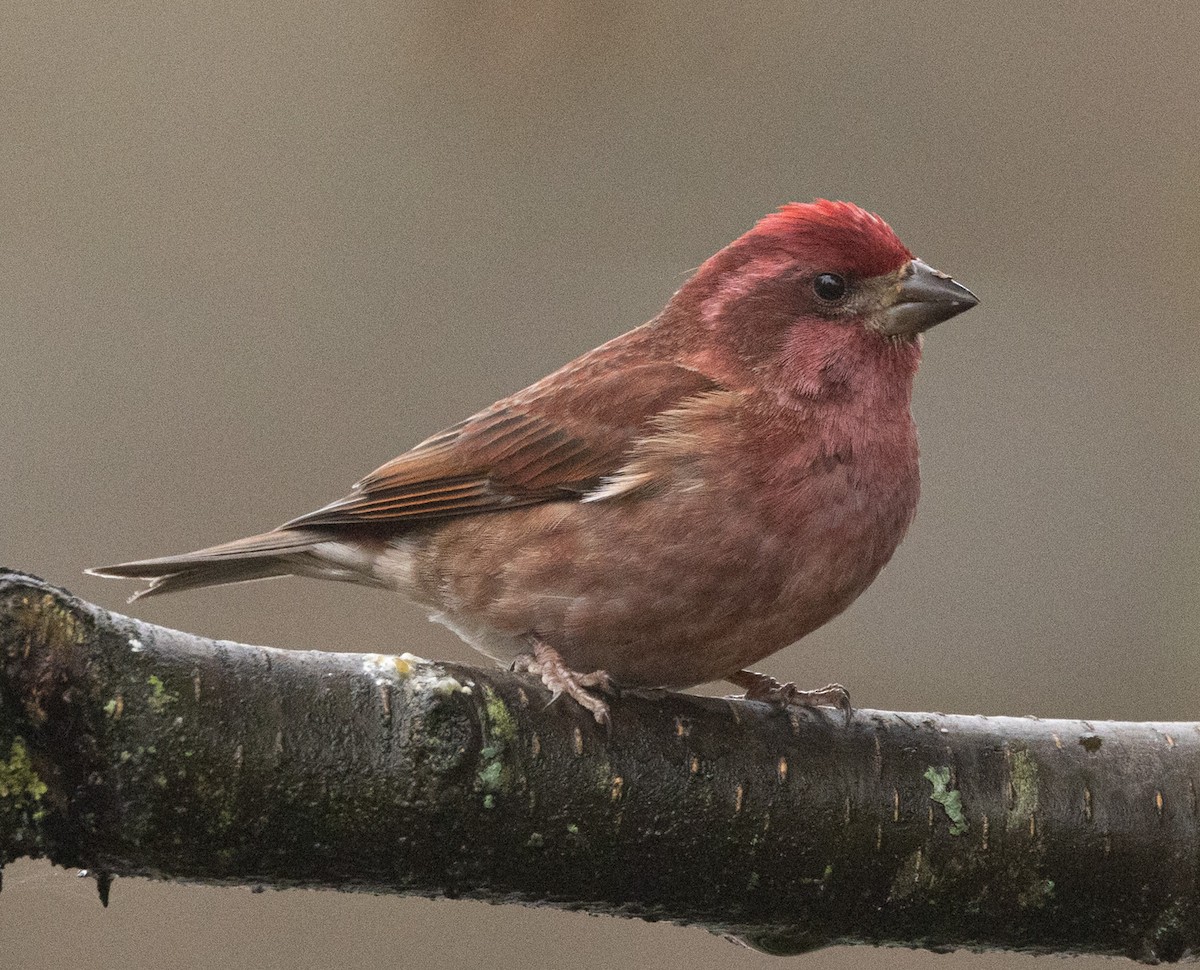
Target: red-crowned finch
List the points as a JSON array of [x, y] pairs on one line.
[[672, 506]]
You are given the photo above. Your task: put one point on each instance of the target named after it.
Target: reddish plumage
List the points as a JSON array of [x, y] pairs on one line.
[[672, 506], [831, 234]]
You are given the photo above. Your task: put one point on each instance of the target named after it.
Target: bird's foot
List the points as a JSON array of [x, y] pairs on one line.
[[544, 661], [760, 687]]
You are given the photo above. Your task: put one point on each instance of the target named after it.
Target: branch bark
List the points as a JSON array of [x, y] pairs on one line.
[[129, 749]]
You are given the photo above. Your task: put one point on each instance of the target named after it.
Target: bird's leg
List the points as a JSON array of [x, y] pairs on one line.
[[544, 661], [760, 687]]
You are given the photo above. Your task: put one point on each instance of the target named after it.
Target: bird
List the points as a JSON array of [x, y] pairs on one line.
[[671, 507]]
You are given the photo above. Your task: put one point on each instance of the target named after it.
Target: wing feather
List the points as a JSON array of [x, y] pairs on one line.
[[557, 440]]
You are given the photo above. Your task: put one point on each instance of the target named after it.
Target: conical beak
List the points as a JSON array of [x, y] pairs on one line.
[[923, 299]]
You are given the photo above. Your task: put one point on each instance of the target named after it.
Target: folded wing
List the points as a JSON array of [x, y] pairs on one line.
[[551, 442]]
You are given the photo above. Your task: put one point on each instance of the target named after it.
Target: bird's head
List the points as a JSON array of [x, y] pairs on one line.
[[820, 290]]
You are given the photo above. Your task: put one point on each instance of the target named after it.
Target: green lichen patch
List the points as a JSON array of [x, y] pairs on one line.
[[490, 776], [21, 794], [160, 698], [501, 725], [495, 774], [18, 780], [949, 798]]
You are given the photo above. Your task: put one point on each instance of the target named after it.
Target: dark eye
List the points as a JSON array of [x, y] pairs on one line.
[[829, 287]]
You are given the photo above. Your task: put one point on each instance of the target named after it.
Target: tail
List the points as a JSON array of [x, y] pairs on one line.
[[293, 552]]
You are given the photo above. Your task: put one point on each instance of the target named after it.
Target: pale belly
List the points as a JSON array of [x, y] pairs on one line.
[[668, 591]]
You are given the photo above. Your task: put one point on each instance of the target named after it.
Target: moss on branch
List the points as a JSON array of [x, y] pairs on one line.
[[128, 749]]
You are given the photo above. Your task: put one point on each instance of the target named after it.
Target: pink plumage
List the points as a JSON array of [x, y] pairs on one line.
[[674, 505]]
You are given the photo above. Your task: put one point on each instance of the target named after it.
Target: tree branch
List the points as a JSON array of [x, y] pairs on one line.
[[129, 749]]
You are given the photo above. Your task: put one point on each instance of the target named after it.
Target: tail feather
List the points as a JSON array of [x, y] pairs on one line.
[[266, 556], [214, 574]]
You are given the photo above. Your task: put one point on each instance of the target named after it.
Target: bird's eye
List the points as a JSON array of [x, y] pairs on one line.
[[829, 287]]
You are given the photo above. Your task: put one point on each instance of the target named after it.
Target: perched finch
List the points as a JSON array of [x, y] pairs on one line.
[[672, 506]]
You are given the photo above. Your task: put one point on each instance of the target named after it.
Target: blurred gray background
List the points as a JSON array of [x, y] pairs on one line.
[[250, 251]]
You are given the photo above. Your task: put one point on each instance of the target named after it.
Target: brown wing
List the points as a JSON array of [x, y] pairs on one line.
[[555, 440]]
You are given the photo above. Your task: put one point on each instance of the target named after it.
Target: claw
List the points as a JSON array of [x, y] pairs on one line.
[[760, 687], [545, 663]]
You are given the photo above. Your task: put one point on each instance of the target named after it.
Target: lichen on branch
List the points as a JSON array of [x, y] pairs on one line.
[[132, 750]]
